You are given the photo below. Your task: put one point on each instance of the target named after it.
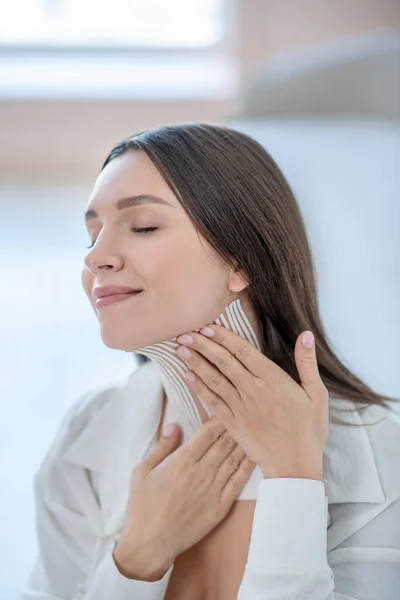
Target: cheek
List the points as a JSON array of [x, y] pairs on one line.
[[87, 282], [178, 265], [190, 275], [162, 262]]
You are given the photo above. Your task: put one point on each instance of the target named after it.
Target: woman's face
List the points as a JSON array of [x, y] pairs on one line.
[[185, 283]]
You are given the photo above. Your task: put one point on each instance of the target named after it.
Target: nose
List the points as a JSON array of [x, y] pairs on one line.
[[97, 263]]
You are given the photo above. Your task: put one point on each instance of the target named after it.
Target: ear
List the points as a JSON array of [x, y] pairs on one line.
[[237, 280]]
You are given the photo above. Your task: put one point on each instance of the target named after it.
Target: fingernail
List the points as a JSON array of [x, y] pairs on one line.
[[207, 331], [308, 339], [183, 351], [191, 376], [185, 339], [169, 430]]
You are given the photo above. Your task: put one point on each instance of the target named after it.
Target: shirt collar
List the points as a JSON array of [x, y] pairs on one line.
[[350, 472]]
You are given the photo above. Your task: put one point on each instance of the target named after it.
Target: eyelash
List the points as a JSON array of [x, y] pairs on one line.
[[135, 230]]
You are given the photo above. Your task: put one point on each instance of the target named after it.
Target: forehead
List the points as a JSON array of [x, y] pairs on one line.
[[130, 174]]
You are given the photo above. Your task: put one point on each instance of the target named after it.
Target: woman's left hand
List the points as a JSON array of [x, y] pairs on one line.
[[280, 425]]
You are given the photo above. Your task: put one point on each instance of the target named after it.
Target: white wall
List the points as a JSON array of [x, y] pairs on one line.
[[51, 350], [347, 181]]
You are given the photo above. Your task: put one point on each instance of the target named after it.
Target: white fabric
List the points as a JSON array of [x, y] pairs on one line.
[[181, 407], [82, 490]]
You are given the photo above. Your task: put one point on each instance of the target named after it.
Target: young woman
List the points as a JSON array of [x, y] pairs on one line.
[[280, 478]]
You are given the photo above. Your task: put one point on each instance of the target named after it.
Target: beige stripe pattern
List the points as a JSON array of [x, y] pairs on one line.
[[181, 406]]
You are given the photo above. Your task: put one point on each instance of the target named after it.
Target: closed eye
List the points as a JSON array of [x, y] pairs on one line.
[[135, 230], [145, 229]]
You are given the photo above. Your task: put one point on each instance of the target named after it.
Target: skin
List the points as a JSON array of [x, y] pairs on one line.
[[186, 284]]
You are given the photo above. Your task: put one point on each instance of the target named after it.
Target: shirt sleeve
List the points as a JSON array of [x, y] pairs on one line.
[[288, 549], [109, 583], [66, 567]]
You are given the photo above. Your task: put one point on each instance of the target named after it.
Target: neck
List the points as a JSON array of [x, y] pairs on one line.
[[183, 406]]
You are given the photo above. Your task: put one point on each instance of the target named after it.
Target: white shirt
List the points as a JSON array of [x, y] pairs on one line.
[[298, 549]]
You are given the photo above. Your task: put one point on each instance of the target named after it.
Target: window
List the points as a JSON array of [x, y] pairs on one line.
[[116, 49], [116, 23]]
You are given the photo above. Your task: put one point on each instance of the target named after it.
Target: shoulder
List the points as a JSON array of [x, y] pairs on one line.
[[377, 420], [382, 426], [93, 418], [110, 400], [360, 460], [361, 464]]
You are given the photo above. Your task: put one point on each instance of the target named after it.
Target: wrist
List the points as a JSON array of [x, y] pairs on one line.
[[141, 566]]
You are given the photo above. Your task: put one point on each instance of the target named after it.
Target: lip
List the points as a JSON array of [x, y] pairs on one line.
[[110, 290], [112, 298]]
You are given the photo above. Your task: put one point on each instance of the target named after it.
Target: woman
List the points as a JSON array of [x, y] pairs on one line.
[[194, 225]]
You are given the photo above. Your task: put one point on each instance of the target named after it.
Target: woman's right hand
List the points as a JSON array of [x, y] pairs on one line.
[[172, 507]]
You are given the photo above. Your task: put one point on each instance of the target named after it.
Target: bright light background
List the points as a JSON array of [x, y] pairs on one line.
[[155, 23], [344, 169]]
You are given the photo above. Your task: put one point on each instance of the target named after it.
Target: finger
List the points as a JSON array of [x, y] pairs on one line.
[[224, 410], [229, 465], [218, 452], [307, 366], [246, 354], [237, 480], [164, 447], [218, 359], [205, 437]]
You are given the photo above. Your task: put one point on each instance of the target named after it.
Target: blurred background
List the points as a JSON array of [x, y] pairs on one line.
[[316, 82]]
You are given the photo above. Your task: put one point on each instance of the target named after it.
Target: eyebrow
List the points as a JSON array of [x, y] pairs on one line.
[[130, 201]]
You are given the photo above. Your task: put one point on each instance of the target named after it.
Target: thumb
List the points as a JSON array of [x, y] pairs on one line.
[[306, 363], [165, 445]]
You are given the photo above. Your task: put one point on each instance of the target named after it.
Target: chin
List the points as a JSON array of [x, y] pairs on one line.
[[124, 340], [116, 345], [117, 342]]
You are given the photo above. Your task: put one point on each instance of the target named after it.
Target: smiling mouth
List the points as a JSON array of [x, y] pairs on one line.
[[113, 298]]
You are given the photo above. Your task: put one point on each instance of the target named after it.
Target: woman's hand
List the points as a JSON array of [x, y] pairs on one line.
[[173, 506], [282, 426]]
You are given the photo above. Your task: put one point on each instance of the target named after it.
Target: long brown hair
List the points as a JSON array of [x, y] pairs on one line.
[[240, 202]]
